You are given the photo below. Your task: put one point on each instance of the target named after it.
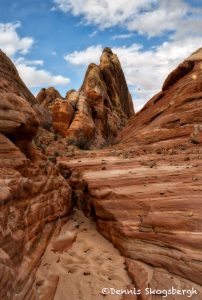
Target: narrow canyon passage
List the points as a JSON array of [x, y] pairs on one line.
[[79, 263]]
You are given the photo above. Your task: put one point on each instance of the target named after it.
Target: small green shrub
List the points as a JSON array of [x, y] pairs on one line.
[[52, 159], [82, 142], [56, 153], [56, 137]]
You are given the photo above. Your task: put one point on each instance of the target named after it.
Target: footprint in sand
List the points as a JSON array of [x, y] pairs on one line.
[[89, 265], [69, 261], [116, 277], [72, 270]]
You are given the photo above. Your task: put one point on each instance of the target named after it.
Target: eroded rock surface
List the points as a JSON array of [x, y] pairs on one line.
[[147, 203], [172, 113], [33, 194], [145, 193], [46, 97], [95, 114]]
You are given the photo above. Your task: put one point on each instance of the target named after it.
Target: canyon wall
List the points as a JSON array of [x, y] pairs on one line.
[[145, 193], [33, 194], [173, 113]]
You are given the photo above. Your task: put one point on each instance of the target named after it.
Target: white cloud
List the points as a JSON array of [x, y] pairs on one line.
[[85, 57], [121, 36], [147, 17], [189, 27], [145, 70], [10, 42], [103, 13], [165, 17], [13, 45], [94, 33], [29, 62], [34, 77]]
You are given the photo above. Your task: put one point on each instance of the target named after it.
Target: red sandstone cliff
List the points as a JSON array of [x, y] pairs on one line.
[[32, 192], [175, 111], [144, 193], [95, 114]]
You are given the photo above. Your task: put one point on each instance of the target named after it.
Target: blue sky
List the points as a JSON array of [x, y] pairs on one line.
[[52, 41]]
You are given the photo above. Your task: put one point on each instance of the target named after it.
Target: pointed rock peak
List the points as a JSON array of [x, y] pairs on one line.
[[91, 66], [94, 115], [68, 93], [108, 50], [51, 93], [108, 81], [109, 58]]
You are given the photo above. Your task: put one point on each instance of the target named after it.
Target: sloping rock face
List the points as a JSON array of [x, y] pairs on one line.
[[172, 113], [96, 113], [33, 195], [11, 83], [146, 194], [147, 202]]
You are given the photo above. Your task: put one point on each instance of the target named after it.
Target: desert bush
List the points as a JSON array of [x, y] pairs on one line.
[[56, 153], [82, 143], [56, 137], [52, 159]]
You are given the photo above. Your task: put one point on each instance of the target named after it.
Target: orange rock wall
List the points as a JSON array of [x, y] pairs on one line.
[[33, 194]]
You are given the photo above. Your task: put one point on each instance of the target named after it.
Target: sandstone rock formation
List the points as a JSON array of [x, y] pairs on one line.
[[33, 195], [12, 83], [145, 193], [46, 97], [172, 113], [147, 203], [96, 113]]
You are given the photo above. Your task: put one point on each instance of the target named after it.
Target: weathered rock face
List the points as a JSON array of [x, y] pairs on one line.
[[146, 194], [173, 112], [11, 82], [63, 113], [46, 97], [32, 192], [94, 115], [146, 201], [12, 85]]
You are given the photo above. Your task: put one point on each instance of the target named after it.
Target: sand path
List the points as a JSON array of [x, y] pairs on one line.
[[82, 263]]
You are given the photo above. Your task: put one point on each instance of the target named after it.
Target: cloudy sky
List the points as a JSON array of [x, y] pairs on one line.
[[53, 41]]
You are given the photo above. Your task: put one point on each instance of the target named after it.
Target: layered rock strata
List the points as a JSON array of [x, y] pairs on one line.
[[145, 193], [33, 194], [147, 203], [175, 111]]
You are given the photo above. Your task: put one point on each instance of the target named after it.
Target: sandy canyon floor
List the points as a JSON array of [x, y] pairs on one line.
[[79, 262]]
